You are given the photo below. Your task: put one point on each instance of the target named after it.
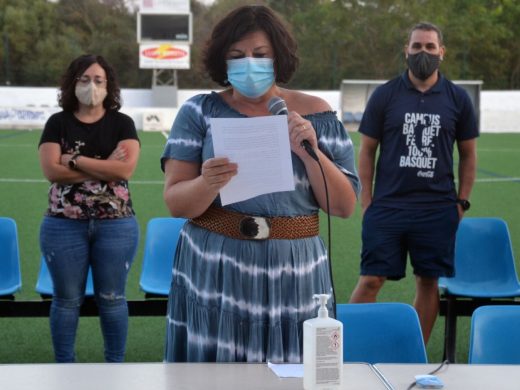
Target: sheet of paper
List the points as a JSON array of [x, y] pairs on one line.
[[260, 146], [287, 370]]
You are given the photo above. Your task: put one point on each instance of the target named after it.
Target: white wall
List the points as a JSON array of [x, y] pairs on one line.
[[500, 111], [27, 107]]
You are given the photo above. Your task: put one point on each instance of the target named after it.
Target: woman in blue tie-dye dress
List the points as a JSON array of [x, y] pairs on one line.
[[243, 286]]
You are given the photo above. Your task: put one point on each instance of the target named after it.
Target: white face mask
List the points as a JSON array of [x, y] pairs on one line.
[[90, 94]]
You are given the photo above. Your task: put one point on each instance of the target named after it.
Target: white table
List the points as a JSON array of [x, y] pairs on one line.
[[173, 376], [455, 376]]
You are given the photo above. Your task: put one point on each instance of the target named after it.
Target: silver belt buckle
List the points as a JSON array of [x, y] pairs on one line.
[[255, 228]]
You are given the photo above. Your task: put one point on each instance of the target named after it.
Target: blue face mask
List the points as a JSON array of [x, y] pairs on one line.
[[251, 77]]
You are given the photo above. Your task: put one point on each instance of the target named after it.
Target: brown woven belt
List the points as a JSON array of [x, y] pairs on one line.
[[250, 227]]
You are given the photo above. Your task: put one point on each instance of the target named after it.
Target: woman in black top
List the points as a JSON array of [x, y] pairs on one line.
[[88, 152]]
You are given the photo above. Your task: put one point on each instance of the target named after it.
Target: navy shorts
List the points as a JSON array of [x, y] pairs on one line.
[[389, 235]]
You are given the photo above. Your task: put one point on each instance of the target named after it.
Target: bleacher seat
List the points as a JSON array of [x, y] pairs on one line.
[[44, 284], [162, 234], [385, 332], [484, 270], [495, 335], [10, 275]]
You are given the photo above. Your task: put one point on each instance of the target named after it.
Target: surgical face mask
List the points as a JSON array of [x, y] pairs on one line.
[[251, 77], [90, 94], [423, 64]]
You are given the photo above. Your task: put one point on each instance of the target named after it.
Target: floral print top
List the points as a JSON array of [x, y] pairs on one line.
[[91, 199]]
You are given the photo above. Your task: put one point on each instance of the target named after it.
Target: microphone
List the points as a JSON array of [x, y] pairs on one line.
[[277, 106]]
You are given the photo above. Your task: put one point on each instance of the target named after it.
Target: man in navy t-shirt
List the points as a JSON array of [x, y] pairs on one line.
[[414, 206]]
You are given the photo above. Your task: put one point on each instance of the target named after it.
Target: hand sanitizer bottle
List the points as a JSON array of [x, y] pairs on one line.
[[322, 349]]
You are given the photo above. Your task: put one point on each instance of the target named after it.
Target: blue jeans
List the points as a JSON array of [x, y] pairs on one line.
[[70, 246]]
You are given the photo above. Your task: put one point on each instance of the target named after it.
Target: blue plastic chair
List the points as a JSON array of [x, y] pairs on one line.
[[10, 275], [162, 235], [484, 262], [495, 335], [381, 333], [44, 284], [484, 268]]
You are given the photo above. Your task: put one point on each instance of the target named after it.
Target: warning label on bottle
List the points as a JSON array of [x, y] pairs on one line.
[[328, 361]]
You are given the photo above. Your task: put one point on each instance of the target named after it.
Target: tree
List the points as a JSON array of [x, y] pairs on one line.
[[509, 15], [338, 39], [37, 45], [106, 28]]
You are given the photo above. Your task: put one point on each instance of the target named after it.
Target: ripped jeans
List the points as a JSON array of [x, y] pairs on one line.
[[70, 246]]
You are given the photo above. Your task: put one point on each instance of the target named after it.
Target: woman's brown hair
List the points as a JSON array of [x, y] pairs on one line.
[[237, 24]]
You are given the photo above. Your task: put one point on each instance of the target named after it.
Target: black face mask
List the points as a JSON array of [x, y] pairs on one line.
[[423, 64]]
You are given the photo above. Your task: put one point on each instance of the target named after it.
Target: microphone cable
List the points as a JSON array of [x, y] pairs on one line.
[[329, 239], [307, 146], [277, 106]]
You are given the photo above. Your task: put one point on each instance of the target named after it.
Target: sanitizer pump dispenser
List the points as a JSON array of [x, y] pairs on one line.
[[322, 350]]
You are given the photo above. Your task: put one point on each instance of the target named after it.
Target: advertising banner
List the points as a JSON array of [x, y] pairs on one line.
[[164, 56], [24, 117]]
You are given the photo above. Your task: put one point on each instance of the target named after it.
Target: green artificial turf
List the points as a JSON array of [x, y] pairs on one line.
[[23, 192]]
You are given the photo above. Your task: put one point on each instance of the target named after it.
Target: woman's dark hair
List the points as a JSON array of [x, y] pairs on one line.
[[237, 24], [67, 97]]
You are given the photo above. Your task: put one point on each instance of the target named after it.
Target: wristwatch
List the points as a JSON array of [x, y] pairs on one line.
[[72, 162], [464, 203]]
